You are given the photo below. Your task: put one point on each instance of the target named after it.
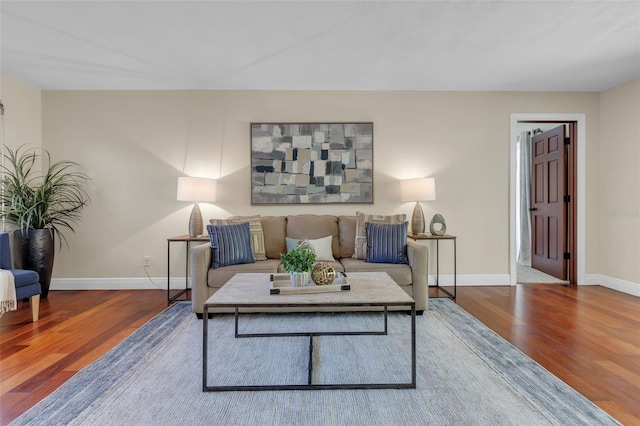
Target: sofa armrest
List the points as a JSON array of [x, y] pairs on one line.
[[199, 264], [419, 260]]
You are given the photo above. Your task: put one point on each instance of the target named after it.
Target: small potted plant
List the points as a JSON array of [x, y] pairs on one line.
[[298, 263]]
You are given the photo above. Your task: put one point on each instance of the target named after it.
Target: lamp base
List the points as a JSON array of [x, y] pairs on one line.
[[417, 219], [195, 222]]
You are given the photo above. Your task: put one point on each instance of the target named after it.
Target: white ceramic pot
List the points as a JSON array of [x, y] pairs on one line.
[[299, 279]]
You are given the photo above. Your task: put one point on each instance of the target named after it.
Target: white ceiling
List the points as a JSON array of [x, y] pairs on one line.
[[321, 45]]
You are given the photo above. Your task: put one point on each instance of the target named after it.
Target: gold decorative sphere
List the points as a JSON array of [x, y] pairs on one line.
[[323, 273]]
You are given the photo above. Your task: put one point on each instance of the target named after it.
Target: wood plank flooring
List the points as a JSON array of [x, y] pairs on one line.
[[75, 328], [587, 336]]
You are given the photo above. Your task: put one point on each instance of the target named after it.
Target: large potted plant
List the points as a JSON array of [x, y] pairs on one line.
[[42, 201]]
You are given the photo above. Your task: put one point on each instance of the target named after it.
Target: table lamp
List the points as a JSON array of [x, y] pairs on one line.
[[421, 189], [196, 189]]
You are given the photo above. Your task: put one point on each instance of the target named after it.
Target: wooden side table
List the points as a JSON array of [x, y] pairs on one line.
[[437, 238], [181, 239]]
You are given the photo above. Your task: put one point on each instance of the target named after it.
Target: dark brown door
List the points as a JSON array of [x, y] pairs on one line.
[[548, 210]]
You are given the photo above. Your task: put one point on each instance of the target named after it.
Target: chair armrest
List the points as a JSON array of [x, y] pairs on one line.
[[199, 264], [418, 255]]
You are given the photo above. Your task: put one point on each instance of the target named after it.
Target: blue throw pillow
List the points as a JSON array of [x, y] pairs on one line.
[[386, 243], [231, 244]]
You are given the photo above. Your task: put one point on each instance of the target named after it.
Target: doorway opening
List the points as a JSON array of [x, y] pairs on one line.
[[572, 242]]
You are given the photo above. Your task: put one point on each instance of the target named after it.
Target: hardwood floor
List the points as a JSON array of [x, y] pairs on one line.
[[75, 328], [589, 337]]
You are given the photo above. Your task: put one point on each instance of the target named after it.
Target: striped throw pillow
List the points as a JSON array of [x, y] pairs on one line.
[[231, 244], [360, 246], [387, 243], [255, 232]]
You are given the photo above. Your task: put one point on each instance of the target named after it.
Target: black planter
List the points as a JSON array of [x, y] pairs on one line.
[[37, 255]]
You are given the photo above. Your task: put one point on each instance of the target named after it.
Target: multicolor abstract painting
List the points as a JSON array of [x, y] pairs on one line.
[[314, 163]]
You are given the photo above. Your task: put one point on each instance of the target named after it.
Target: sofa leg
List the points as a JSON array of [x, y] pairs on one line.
[[418, 313], [200, 316], [34, 301]]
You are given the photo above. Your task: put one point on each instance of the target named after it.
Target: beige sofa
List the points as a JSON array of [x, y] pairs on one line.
[[412, 277]]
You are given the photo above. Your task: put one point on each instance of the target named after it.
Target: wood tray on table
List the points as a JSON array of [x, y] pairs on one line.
[[281, 284]]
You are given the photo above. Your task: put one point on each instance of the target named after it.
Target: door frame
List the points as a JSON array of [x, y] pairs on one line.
[[580, 120]]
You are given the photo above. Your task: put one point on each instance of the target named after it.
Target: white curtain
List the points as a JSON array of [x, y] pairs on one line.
[[524, 248]]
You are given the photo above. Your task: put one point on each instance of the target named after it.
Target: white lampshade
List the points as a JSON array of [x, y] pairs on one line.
[[422, 189], [196, 189]]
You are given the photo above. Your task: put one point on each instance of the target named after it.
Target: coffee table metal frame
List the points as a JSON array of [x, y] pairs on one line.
[[206, 387]]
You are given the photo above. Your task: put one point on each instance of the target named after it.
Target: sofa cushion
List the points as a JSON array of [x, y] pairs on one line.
[[360, 249], [255, 231], [231, 244], [387, 243], [321, 246], [218, 277], [313, 226], [347, 228], [400, 272], [24, 277], [275, 231]]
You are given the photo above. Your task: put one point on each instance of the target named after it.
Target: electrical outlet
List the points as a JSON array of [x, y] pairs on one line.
[[146, 261]]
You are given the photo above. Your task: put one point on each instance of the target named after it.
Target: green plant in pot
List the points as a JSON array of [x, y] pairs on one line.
[[299, 262], [42, 202]]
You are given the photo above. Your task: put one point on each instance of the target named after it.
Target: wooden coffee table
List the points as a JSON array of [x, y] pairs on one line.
[[368, 289]]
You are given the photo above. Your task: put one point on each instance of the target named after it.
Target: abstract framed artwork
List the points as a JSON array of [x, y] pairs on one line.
[[311, 163]]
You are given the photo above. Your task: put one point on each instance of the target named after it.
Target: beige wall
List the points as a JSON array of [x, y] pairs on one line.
[[22, 118], [23, 113], [135, 145], [619, 183]]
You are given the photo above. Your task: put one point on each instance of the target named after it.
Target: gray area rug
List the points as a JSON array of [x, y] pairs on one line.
[[466, 375]]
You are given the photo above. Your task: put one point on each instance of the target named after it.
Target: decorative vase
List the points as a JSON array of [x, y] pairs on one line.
[[37, 255], [304, 243], [299, 279], [438, 225]]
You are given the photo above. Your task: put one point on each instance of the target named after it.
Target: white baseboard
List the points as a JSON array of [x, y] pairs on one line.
[[592, 279], [176, 283], [471, 280], [622, 286]]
